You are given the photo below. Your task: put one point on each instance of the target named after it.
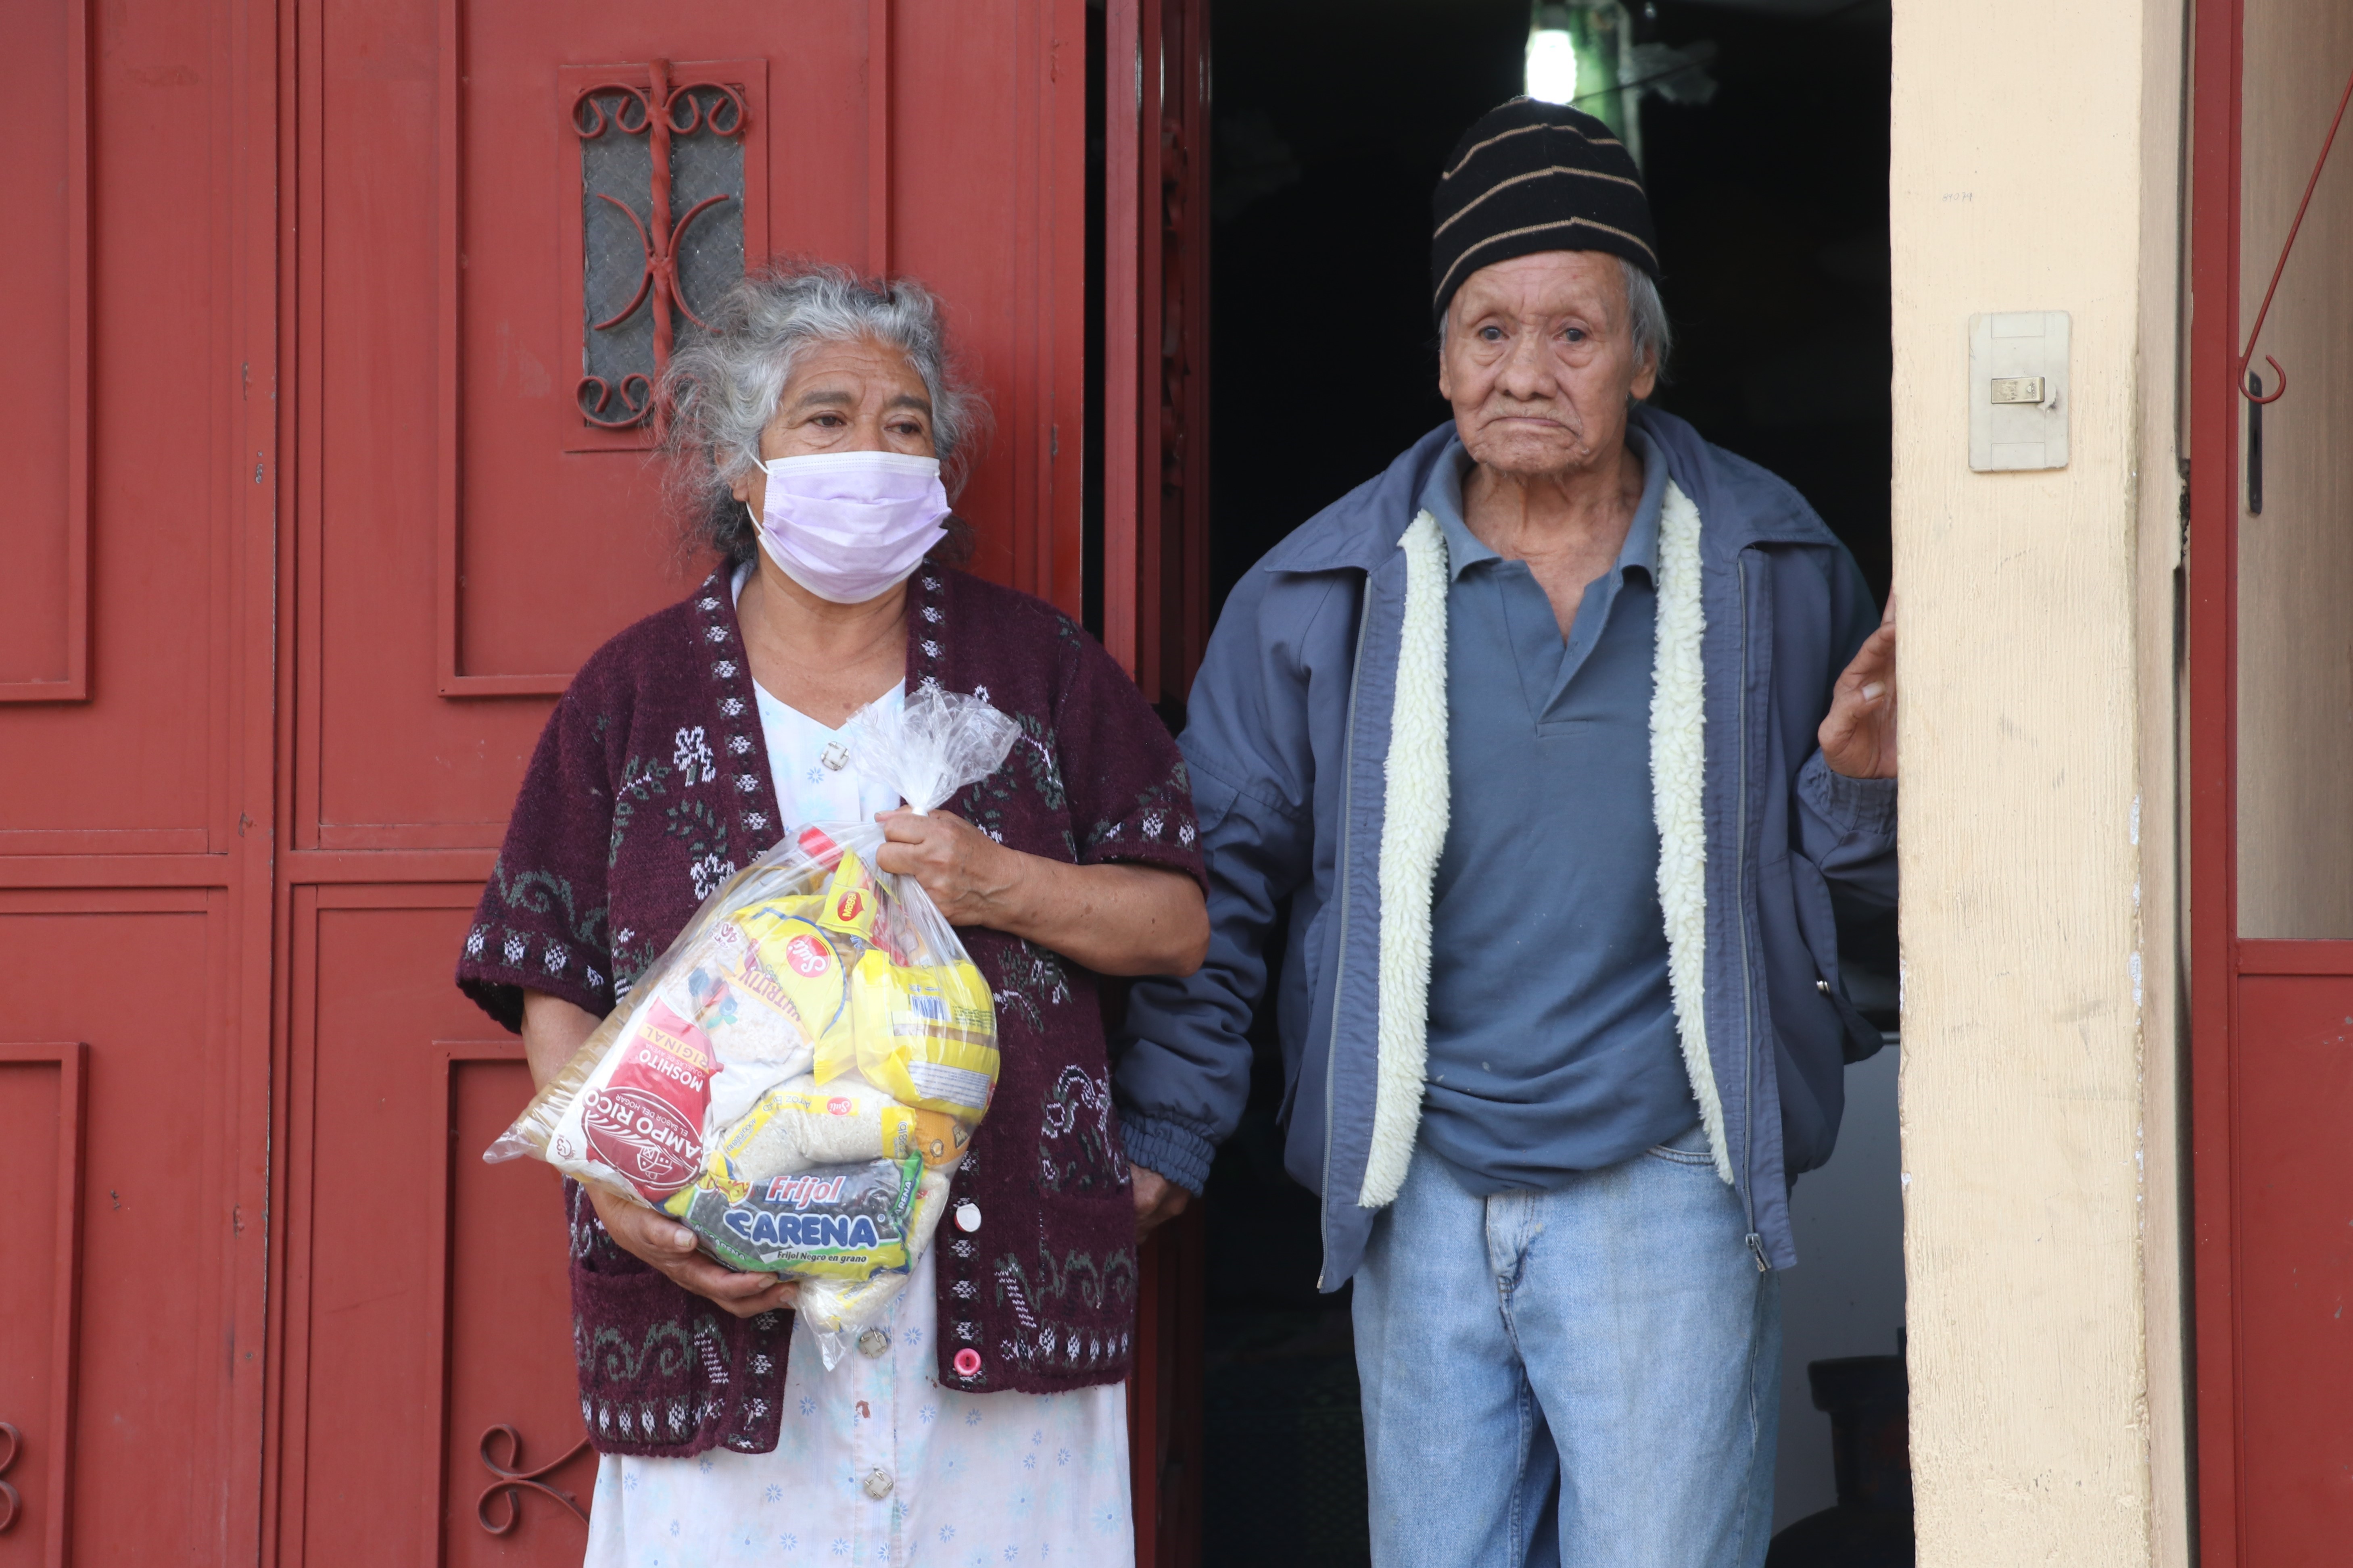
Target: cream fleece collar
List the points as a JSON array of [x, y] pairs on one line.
[[1417, 805]]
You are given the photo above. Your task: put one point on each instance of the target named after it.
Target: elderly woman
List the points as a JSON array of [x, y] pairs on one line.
[[811, 429]]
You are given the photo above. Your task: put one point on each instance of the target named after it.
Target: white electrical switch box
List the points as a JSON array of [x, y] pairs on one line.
[[2017, 390]]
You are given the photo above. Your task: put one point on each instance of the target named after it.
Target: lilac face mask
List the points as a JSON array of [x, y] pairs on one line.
[[850, 525]]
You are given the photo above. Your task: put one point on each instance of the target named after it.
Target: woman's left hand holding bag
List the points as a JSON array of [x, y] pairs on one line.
[[970, 876], [552, 1030]]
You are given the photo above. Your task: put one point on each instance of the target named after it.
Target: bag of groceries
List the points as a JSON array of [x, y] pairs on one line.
[[795, 1079]]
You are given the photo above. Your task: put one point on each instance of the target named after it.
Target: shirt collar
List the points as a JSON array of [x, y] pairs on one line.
[[1442, 496]]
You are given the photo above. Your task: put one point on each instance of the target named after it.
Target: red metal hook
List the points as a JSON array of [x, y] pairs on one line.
[[2309, 185], [2274, 394]]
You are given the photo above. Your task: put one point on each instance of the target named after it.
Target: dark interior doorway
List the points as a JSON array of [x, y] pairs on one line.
[[1768, 182]]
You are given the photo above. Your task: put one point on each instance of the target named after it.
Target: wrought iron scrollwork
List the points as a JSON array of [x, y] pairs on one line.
[[512, 1479], [11, 1502], [660, 111], [637, 393]]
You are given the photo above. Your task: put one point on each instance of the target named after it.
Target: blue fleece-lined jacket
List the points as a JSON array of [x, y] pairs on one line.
[[1289, 740]]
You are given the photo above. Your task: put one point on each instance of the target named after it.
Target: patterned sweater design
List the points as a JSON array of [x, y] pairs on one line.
[[650, 786]]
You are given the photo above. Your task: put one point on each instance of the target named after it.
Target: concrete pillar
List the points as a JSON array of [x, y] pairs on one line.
[[2035, 162]]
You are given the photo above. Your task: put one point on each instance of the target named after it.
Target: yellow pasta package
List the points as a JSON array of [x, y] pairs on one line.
[[928, 1034], [805, 968]]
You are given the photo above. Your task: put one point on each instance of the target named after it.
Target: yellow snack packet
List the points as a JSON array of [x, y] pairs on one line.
[[756, 918], [756, 923], [928, 1035], [848, 900], [803, 968]]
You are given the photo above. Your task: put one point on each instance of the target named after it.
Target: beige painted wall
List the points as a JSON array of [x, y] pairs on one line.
[[2035, 166]]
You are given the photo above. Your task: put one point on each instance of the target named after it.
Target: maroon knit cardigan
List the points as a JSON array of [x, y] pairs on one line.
[[650, 786]]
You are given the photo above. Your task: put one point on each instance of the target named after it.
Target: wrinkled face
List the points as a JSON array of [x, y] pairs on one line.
[[1538, 361], [854, 396]]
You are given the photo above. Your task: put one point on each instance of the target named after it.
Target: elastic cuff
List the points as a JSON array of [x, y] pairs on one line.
[[1854, 805], [1176, 1153]]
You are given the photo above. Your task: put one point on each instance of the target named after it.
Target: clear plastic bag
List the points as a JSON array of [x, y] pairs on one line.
[[796, 1077]]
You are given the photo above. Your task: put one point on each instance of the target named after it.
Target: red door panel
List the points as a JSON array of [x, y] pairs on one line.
[[426, 1288], [40, 1100], [359, 1172], [132, 1393], [44, 407], [2294, 1258], [508, 1356], [118, 334], [462, 542]]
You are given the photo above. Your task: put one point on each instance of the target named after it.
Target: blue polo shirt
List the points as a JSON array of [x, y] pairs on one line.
[[1552, 1030]]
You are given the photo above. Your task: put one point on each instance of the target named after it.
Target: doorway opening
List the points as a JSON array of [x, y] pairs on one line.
[[1762, 129]]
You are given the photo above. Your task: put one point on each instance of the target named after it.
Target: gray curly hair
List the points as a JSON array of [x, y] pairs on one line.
[[1654, 335], [722, 388]]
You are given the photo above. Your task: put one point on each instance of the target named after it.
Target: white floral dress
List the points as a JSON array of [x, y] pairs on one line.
[[875, 1462], [963, 1478]]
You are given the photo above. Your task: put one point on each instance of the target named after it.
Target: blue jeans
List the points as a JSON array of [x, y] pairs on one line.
[[1587, 1377]]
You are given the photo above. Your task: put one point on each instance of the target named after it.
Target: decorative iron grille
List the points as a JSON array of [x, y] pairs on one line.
[[511, 1480], [661, 224]]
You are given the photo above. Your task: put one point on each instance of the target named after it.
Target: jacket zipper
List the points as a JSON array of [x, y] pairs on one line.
[[1340, 924], [1740, 925]]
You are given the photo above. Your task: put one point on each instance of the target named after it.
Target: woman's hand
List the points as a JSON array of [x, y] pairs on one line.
[[553, 1029], [1113, 919], [967, 873], [1858, 735], [669, 1246]]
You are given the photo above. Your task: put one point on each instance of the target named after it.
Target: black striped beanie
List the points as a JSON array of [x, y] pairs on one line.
[[1533, 176]]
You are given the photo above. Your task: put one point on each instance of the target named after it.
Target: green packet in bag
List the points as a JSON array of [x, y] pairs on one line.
[[831, 1222]]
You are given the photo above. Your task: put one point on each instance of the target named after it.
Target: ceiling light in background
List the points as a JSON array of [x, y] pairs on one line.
[[1552, 63], [1582, 52]]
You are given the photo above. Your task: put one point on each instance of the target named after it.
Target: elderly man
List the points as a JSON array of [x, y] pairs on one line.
[[1553, 739]]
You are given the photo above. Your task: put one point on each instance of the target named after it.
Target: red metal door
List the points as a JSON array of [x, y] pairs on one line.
[[134, 697], [306, 524], [2271, 567], [313, 506], [475, 317]]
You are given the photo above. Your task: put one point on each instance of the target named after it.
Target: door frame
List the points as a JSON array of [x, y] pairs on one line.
[[2218, 958], [1155, 458], [1156, 600], [2212, 575]]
